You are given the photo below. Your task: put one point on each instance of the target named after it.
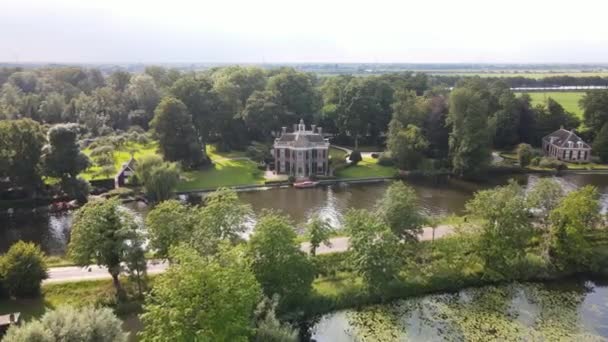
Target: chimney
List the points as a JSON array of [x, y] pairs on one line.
[[312, 128], [320, 130]]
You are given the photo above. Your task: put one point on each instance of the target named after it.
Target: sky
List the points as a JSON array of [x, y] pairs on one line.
[[285, 31]]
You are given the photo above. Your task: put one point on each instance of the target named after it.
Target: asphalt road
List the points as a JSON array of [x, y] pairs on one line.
[[338, 244]]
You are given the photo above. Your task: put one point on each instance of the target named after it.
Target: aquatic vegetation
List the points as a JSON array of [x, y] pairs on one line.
[[517, 312]]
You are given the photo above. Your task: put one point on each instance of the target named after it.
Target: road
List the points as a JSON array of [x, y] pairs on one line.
[[338, 244]]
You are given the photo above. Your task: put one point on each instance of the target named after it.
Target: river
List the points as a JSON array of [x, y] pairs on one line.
[[52, 231], [569, 311]]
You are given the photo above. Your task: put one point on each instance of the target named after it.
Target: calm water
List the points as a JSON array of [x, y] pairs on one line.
[[572, 311], [52, 231]]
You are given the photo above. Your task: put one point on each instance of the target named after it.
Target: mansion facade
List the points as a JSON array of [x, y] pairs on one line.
[[302, 153], [566, 146]]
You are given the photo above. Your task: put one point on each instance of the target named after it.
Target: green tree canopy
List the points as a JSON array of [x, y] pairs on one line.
[[375, 250], [469, 139], [600, 144], [202, 299], [318, 231], [21, 142], [177, 138], [399, 209], [504, 230], [168, 223], [595, 109], [407, 146], [102, 234], [278, 263], [524, 154], [576, 215]]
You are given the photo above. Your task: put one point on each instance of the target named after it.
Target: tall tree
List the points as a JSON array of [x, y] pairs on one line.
[[223, 217], [21, 142], [177, 138], [318, 231], [469, 140], [408, 108], [204, 299], [277, 261], [62, 158], [146, 95], [197, 94], [375, 250], [102, 234], [571, 221], [600, 144], [505, 228], [407, 146], [399, 209], [168, 224], [296, 92], [595, 109], [263, 115]]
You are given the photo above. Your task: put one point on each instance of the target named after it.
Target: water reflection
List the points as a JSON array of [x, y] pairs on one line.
[[572, 311], [330, 202]]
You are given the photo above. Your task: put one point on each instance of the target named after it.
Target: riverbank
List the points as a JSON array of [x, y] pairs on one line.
[[443, 266]]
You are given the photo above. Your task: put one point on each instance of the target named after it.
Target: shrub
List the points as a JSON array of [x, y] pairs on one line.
[[355, 157], [375, 155], [69, 324], [524, 154], [291, 179], [23, 269], [331, 263], [120, 193], [258, 152], [535, 161], [552, 163], [386, 159]]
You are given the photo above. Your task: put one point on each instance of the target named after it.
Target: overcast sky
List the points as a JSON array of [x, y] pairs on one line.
[[256, 31]]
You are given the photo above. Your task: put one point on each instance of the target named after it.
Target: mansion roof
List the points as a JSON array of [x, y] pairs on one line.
[[561, 137], [301, 138]]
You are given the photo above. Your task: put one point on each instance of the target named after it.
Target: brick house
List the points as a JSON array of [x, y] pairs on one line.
[[566, 146], [301, 153]]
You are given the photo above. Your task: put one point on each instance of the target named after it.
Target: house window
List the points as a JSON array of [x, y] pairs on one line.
[[282, 153], [282, 166], [564, 155], [585, 155], [570, 155]]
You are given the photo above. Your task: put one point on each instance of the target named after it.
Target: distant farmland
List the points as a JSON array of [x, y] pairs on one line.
[[568, 100], [535, 74]]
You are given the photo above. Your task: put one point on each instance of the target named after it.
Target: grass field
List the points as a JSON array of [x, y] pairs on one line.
[[568, 100], [121, 156], [532, 74], [368, 167]]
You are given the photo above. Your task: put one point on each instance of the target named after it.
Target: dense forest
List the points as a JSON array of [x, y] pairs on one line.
[[49, 114]]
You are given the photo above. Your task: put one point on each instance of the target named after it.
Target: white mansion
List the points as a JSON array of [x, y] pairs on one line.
[[302, 153], [567, 146]]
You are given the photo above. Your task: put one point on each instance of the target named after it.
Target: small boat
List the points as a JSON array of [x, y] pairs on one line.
[[305, 184]]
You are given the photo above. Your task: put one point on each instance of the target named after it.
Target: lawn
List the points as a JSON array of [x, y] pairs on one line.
[[568, 100], [224, 172], [535, 74], [121, 156], [368, 167]]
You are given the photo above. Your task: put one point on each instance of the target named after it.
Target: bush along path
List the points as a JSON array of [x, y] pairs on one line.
[[337, 245]]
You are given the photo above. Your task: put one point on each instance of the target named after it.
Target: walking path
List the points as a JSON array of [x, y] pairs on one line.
[[338, 244]]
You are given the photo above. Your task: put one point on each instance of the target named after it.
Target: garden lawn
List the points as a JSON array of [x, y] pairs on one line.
[[223, 172], [368, 167], [121, 156]]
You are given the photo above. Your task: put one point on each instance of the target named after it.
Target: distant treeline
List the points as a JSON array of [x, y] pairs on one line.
[[518, 82]]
